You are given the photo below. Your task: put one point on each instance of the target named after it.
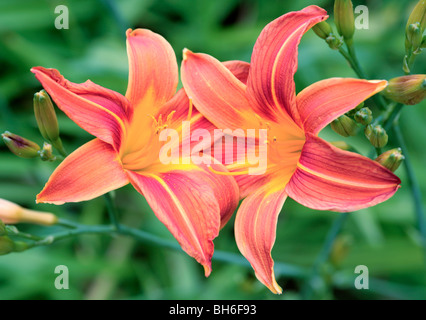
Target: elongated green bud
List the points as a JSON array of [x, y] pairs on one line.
[[364, 116], [20, 146], [344, 18], [391, 159], [46, 116], [2, 228], [344, 126], [415, 27], [408, 90], [6, 245], [418, 15], [322, 29], [377, 135]]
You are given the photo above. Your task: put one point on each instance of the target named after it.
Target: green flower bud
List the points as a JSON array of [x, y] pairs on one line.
[[377, 135], [6, 245], [46, 116], [414, 37], [415, 27], [418, 15], [322, 29], [408, 90], [20, 146], [364, 116], [391, 159], [344, 18], [2, 229], [344, 126]]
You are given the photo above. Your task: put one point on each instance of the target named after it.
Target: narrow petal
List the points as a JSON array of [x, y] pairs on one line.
[[325, 100], [153, 70], [89, 172], [274, 63], [255, 231], [328, 178], [189, 202], [215, 91], [99, 111]]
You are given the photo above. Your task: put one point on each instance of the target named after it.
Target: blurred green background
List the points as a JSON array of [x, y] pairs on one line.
[[384, 238]]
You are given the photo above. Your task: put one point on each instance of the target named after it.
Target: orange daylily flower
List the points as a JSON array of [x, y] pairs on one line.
[[300, 164], [189, 199]]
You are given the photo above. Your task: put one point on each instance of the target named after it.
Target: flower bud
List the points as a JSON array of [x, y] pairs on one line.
[[364, 116], [418, 15], [409, 90], [6, 245], [377, 135], [20, 146], [11, 213], [46, 116], [344, 18], [2, 229], [391, 159], [344, 126], [322, 29]]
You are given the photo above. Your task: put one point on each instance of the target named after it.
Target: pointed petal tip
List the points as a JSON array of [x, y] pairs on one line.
[[185, 53], [207, 269]]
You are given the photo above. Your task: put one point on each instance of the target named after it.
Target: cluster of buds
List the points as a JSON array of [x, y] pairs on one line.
[[324, 31], [48, 125], [7, 245]]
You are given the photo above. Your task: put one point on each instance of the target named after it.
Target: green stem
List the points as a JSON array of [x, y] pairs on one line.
[[60, 147], [281, 269], [324, 254], [414, 185], [393, 116], [112, 211]]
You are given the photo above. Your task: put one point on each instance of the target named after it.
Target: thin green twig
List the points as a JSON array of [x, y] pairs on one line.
[[112, 211], [324, 254], [414, 185]]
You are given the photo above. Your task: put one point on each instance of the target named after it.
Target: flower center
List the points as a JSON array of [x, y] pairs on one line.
[[141, 147]]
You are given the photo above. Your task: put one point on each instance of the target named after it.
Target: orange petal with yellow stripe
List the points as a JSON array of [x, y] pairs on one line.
[[255, 231], [328, 178], [99, 111], [216, 92], [153, 70], [326, 100], [274, 63], [191, 202], [87, 173]]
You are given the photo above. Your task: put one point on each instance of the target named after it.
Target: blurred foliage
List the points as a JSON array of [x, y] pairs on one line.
[[385, 238]]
